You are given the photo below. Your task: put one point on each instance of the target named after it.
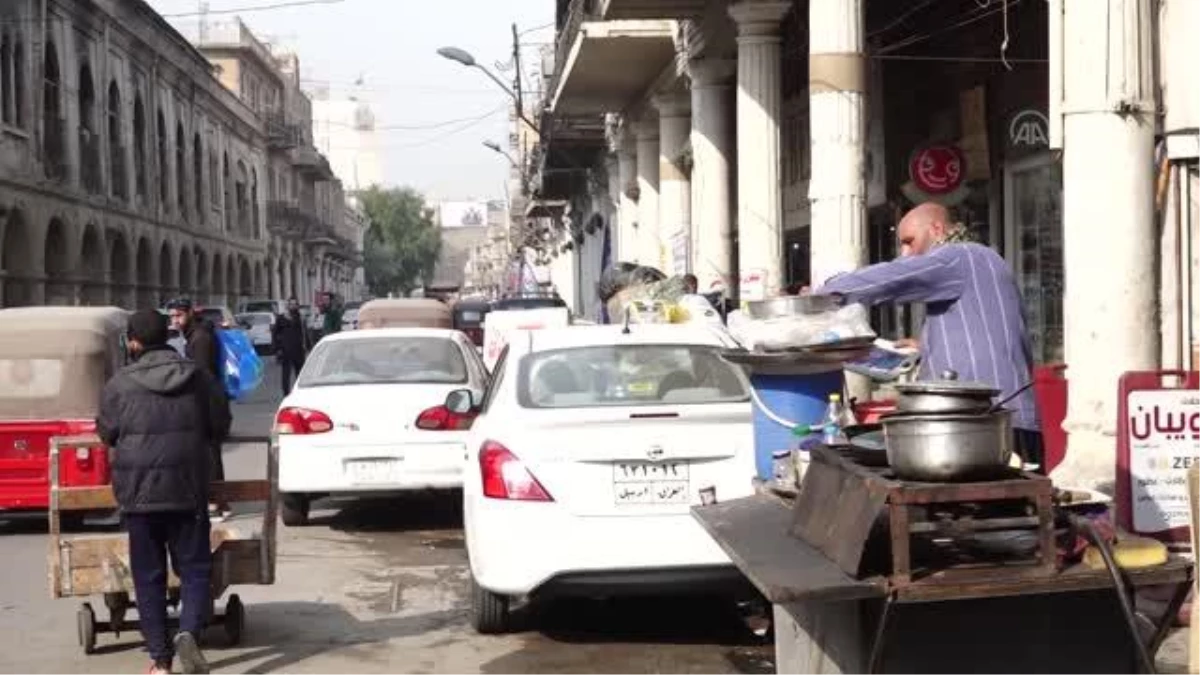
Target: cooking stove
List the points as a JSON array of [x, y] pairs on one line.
[[872, 523]]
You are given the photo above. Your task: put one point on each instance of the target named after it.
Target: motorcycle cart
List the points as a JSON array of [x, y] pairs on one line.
[[98, 564]]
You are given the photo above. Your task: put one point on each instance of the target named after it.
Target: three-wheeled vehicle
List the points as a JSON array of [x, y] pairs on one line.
[[54, 362], [404, 313], [469, 314]]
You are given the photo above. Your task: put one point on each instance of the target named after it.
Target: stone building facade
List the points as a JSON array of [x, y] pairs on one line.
[[128, 173]]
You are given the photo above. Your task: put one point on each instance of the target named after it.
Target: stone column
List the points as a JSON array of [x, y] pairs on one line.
[[627, 219], [1109, 301], [674, 186], [712, 178], [647, 182], [837, 113], [760, 205]]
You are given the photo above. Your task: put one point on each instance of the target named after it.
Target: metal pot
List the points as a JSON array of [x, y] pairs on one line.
[[949, 447], [947, 395], [789, 305]]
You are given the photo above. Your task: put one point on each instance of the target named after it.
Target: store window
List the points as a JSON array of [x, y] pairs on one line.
[[1033, 214]]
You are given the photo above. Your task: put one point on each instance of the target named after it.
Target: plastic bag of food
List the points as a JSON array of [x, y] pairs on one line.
[[801, 330]]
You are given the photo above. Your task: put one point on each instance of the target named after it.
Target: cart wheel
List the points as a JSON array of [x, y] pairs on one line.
[[295, 510], [235, 619], [85, 620]]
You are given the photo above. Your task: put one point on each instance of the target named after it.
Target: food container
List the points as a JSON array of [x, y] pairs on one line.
[[948, 447], [947, 395]]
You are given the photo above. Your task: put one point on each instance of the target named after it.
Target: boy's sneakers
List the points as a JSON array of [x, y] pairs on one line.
[[190, 656], [157, 668]]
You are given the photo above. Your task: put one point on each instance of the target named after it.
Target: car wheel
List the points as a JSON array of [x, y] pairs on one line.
[[294, 510], [489, 611]]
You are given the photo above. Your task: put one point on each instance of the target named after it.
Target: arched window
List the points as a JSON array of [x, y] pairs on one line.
[[89, 139], [228, 203], [116, 149], [53, 147], [181, 170], [164, 167], [254, 203], [6, 84], [198, 175], [18, 79], [139, 146]]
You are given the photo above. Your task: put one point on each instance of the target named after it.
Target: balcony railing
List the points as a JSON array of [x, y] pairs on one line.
[[578, 11], [281, 135]]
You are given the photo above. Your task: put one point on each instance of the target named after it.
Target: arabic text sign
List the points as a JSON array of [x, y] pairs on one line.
[[1164, 442], [498, 325]]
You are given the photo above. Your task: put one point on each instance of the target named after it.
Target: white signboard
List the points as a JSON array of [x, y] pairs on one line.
[[498, 326], [463, 214], [753, 285], [1164, 442]]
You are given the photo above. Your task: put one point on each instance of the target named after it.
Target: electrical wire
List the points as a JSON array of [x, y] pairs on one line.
[[288, 4], [457, 130], [408, 127]]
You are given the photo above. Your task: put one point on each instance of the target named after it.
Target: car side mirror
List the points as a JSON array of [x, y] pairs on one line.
[[460, 401]]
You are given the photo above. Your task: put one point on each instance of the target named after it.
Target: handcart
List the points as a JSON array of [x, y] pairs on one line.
[[98, 564]]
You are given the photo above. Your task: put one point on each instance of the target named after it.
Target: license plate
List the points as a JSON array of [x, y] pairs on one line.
[[373, 471], [651, 483]]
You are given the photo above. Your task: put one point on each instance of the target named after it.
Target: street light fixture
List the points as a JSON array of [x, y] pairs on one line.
[[495, 147], [465, 58]]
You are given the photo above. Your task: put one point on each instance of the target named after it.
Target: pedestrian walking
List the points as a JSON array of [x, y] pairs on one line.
[[332, 321], [291, 344], [202, 348], [160, 415]]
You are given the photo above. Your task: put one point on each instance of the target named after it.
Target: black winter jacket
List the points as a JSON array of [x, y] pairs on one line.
[[160, 415], [202, 348], [290, 336]]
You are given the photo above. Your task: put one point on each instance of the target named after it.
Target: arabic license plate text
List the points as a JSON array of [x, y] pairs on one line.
[[651, 483], [373, 471]]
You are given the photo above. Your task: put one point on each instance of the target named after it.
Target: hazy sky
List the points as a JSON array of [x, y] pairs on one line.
[[391, 45]]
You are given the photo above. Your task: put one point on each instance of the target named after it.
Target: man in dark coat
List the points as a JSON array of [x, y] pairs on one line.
[[160, 415], [290, 336], [202, 348]]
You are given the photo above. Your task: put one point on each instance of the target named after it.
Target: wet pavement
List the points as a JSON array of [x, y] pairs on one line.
[[375, 586]]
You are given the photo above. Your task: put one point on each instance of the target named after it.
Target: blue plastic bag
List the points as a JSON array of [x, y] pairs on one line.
[[242, 369]]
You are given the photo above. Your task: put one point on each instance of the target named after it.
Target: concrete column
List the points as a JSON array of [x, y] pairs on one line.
[[674, 186], [837, 113], [1109, 302], [760, 206], [627, 206], [647, 181], [712, 178]]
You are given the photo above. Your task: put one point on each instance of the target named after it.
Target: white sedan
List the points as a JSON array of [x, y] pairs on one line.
[[367, 416], [588, 452]]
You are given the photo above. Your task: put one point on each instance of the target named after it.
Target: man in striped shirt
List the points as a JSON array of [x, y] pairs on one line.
[[974, 322]]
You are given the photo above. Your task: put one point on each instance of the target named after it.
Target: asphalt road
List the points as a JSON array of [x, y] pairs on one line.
[[378, 586]]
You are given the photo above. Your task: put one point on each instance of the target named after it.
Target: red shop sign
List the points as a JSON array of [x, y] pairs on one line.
[[938, 169]]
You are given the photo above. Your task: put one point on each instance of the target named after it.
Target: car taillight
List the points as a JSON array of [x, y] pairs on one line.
[[505, 476], [441, 418], [302, 421]]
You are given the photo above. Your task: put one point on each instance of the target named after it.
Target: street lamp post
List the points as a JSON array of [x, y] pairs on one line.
[[465, 58]]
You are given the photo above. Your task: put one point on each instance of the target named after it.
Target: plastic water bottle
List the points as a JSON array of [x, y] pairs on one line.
[[832, 424]]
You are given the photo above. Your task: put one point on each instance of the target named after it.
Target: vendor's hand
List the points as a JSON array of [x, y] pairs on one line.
[[908, 343], [804, 290]]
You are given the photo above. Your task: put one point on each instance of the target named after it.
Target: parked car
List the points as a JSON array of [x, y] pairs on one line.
[[350, 315], [220, 317], [272, 306], [367, 416], [528, 301], [588, 452], [259, 326]]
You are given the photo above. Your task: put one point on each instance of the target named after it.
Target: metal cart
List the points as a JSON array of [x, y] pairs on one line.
[[98, 564]]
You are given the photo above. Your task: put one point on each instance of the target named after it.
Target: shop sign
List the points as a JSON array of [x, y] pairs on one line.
[[753, 285], [937, 169], [1162, 434], [1029, 130]]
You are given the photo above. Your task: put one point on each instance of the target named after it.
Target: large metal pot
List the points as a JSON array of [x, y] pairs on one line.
[[791, 305], [949, 447], [946, 395]]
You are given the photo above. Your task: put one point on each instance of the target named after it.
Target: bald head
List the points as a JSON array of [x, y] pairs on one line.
[[922, 228]]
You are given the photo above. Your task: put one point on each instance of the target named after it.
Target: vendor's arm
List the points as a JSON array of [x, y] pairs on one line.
[[937, 276]]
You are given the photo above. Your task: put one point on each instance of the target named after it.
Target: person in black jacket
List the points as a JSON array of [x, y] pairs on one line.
[[290, 336], [202, 348], [160, 415]]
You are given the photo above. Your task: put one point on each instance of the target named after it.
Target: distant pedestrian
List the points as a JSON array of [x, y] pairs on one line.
[[290, 338], [161, 414], [333, 316], [691, 285], [202, 347]]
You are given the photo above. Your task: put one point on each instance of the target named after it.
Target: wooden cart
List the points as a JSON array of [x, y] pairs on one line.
[[98, 564]]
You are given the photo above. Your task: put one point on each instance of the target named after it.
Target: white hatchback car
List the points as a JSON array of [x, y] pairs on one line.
[[367, 416], [589, 450]]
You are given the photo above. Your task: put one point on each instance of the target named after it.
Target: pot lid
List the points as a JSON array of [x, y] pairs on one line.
[[948, 385]]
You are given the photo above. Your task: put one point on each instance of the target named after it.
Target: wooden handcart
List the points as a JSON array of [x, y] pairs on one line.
[[98, 564]]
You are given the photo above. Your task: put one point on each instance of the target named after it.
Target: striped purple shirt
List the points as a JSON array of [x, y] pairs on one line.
[[974, 322]]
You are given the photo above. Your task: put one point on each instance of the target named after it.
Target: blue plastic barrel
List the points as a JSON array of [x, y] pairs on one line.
[[798, 399]]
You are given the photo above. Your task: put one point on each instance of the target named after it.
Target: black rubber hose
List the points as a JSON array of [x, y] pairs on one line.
[[1096, 540]]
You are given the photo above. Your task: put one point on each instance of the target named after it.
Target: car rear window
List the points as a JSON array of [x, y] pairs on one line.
[[256, 319], [385, 360], [264, 306], [215, 316], [628, 375]]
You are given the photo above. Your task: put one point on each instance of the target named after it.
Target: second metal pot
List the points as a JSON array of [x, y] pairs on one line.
[[945, 395], [949, 447]]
